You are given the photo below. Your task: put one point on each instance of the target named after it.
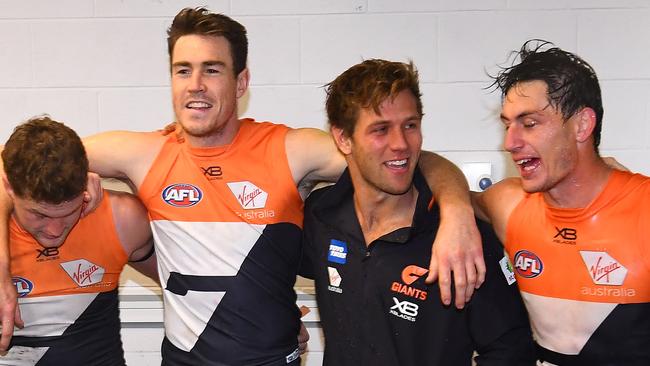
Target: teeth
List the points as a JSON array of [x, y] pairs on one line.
[[198, 105], [396, 162], [522, 161]]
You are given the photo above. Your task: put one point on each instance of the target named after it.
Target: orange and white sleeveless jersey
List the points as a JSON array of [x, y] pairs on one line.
[[584, 273], [68, 295], [227, 229]]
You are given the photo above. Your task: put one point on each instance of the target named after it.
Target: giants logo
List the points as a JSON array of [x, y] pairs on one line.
[[409, 275], [528, 264], [23, 286], [603, 269], [182, 195], [83, 272], [248, 195]]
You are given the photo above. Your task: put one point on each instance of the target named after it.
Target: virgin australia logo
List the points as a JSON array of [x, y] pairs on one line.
[[83, 272], [603, 269], [248, 195]]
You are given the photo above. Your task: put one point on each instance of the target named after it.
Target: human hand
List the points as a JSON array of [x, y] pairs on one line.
[[9, 313], [303, 338], [457, 249]]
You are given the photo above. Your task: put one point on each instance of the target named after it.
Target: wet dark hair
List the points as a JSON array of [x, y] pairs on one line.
[[572, 83]]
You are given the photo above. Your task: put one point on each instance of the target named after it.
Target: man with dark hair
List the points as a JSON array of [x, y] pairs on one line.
[[367, 242], [66, 268], [575, 229], [224, 197]]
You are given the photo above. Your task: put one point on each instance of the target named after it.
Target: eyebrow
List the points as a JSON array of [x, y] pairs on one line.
[[519, 116], [204, 63]]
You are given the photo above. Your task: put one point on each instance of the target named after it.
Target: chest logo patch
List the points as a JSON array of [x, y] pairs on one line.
[[248, 195], [410, 274], [182, 195], [338, 251], [83, 272], [335, 280], [528, 264], [23, 286], [603, 269]]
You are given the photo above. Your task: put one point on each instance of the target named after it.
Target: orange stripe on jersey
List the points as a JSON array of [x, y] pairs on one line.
[[597, 254], [220, 185], [90, 260]]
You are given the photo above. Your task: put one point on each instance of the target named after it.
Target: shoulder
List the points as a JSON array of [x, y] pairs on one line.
[[129, 213]]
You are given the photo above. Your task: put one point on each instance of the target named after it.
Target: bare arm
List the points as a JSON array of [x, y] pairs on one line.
[[457, 248], [132, 225], [313, 158], [123, 154], [9, 311]]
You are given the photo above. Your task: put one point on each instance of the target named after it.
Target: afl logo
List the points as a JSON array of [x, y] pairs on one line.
[[527, 264], [23, 286], [182, 195]]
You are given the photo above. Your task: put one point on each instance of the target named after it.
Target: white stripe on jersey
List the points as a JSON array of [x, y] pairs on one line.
[[180, 247], [51, 315]]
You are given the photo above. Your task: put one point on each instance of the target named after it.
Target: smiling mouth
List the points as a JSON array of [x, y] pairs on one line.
[[399, 164], [198, 105]]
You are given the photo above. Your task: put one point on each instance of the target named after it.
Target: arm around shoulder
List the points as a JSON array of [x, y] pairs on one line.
[[313, 157], [123, 154]]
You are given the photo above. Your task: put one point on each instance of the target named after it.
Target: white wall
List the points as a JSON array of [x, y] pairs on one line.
[[102, 65]]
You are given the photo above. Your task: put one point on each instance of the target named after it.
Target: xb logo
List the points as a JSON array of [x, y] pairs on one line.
[[212, 171], [566, 233], [47, 252], [405, 307]]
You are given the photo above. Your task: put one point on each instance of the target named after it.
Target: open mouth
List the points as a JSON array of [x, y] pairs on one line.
[[528, 165], [198, 105], [397, 164]]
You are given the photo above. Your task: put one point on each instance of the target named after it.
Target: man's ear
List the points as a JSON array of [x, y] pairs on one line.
[[585, 124], [7, 186], [343, 142], [242, 82]]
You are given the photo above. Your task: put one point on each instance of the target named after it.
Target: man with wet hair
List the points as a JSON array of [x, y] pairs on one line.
[[575, 229], [66, 268], [367, 242]]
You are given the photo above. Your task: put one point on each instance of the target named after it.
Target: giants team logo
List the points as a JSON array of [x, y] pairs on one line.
[[23, 286], [603, 269], [182, 195], [410, 274], [83, 272], [527, 264], [248, 195]]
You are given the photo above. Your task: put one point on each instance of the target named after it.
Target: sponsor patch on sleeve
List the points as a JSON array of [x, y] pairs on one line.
[[506, 268]]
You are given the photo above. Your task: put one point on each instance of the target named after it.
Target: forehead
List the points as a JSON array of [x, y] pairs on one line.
[[397, 107], [50, 209], [199, 48]]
